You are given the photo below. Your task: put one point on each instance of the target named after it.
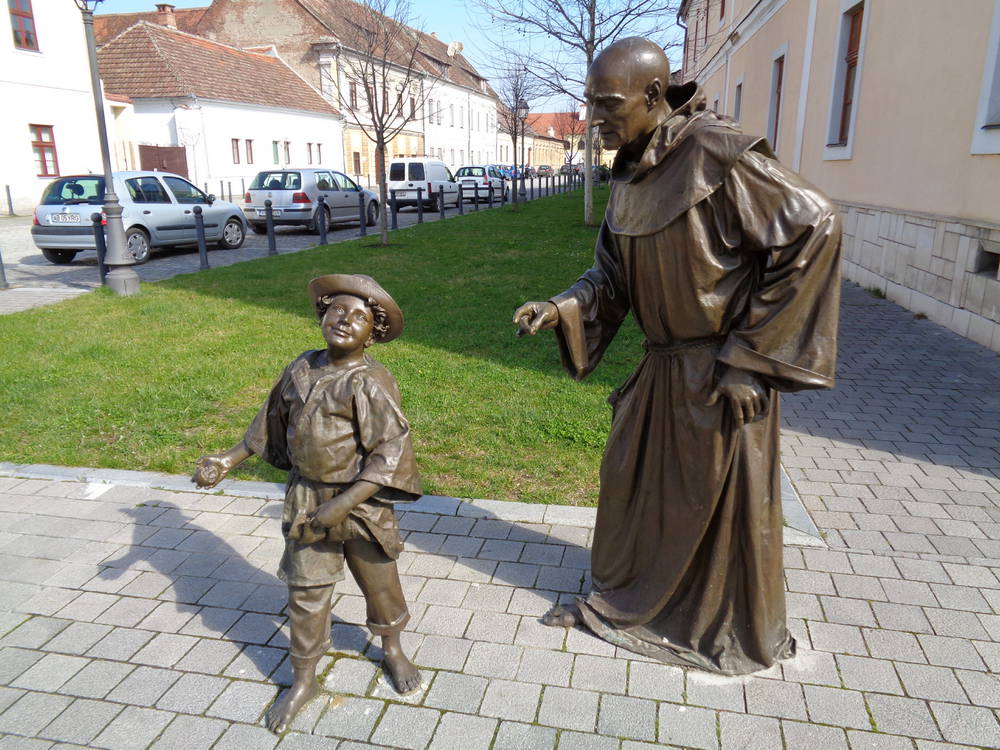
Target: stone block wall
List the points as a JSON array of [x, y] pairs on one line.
[[944, 268]]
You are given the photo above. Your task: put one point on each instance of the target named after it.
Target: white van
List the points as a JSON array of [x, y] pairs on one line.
[[408, 174]]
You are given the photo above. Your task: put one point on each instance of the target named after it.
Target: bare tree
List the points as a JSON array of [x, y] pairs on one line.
[[385, 79], [578, 29], [516, 88]]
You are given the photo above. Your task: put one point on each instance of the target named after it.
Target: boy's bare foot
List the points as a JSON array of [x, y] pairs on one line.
[[280, 715], [562, 616], [404, 675]]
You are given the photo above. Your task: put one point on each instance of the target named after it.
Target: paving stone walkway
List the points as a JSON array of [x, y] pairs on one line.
[[135, 613]]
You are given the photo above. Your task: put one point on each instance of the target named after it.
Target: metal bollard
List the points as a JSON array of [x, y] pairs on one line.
[[461, 200], [199, 229], [362, 219], [322, 219], [531, 189], [100, 244], [3, 275], [489, 195], [229, 191], [475, 190], [503, 194], [272, 249], [10, 202], [221, 191], [393, 207], [441, 201], [420, 205]]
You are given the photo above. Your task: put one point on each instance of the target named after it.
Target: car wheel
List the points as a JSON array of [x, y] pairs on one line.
[[137, 244], [59, 256], [313, 225], [259, 228], [371, 216], [232, 234]]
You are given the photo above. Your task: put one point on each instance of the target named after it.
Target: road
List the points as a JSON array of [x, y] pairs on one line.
[[26, 270]]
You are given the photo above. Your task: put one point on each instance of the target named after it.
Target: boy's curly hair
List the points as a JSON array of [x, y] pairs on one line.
[[380, 321]]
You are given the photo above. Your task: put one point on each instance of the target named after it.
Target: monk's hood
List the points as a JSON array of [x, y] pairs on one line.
[[686, 160]]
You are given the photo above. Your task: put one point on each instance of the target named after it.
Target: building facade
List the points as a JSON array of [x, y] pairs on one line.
[[49, 127], [862, 99]]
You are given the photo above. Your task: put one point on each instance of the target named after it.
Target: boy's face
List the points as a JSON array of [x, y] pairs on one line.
[[347, 324]]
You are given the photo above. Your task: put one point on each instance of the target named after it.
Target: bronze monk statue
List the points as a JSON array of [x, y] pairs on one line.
[[333, 421], [729, 263]]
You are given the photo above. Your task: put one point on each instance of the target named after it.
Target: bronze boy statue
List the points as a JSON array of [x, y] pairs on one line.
[[333, 421]]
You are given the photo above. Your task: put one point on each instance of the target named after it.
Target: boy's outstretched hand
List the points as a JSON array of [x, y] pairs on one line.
[[210, 470]]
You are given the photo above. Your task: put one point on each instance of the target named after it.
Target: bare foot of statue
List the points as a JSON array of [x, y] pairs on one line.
[[562, 616], [404, 675], [280, 715]]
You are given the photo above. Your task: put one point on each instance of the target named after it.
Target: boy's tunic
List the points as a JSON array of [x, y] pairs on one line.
[[331, 426], [725, 258]]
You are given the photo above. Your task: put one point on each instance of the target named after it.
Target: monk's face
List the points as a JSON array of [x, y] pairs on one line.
[[623, 104]]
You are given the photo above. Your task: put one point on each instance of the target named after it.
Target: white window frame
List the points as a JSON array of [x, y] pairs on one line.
[[986, 140], [846, 151], [738, 99], [774, 105]]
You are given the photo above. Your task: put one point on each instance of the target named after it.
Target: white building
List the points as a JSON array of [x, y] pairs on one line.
[[216, 114], [49, 126]]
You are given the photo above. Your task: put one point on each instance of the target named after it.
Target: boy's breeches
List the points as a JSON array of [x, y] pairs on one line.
[[309, 620]]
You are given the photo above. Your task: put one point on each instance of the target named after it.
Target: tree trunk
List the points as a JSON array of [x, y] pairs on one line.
[[383, 193], [588, 174]]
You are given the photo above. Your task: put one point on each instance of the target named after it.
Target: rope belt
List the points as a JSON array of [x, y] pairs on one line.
[[679, 347]]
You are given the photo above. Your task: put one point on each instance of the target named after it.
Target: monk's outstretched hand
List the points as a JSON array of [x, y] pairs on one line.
[[746, 393], [532, 317]]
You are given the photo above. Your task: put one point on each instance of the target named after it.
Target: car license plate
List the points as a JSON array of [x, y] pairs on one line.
[[274, 212], [65, 218]]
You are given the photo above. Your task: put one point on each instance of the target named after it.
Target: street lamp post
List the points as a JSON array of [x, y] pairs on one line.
[[522, 115], [121, 277]]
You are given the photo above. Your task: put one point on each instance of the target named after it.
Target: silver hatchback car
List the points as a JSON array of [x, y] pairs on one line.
[[294, 195], [157, 211]]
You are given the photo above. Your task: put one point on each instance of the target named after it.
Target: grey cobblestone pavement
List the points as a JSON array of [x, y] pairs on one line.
[[135, 613]]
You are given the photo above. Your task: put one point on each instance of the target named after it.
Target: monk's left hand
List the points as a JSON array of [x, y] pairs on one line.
[[746, 393]]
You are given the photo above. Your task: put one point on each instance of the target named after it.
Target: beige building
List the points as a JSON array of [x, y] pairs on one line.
[[893, 108]]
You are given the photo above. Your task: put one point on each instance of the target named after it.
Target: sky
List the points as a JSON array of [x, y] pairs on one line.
[[452, 20]]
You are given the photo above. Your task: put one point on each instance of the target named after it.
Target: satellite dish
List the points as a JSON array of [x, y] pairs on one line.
[[455, 48]]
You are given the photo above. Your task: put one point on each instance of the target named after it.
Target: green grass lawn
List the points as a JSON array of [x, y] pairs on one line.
[[152, 382]]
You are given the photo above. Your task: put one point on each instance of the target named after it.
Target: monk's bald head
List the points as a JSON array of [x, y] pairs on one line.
[[626, 87]]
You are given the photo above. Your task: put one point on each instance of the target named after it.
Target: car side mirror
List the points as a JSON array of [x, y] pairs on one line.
[[211, 199]]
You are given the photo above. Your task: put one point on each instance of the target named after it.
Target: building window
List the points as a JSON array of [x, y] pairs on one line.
[[22, 22], [354, 95], [43, 144], [319, 153], [235, 142], [986, 126], [274, 152], [413, 107], [774, 116], [715, 105], [451, 115], [440, 116], [357, 162], [722, 10], [738, 102], [853, 20], [461, 117], [430, 111], [249, 148], [288, 152]]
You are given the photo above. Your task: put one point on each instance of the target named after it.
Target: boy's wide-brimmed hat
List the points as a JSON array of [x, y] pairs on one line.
[[364, 287]]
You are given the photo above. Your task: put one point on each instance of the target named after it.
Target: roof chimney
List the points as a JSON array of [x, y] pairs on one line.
[[165, 15], [434, 34]]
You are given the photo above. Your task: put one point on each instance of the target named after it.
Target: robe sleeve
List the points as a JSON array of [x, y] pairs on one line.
[[788, 331], [267, 435], [592, 310], [384, 435]]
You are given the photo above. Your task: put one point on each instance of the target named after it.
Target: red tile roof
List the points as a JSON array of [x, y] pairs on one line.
[[153, 61], [109, 25], [558, 121]]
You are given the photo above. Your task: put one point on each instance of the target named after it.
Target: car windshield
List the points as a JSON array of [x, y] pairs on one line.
[[277, 181], [75, 190], [471, 172]]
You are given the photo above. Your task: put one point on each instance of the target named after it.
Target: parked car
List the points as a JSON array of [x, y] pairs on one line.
[[544, 170], [481, 179], [408, 174], [530, 172], [570, 169], [294, 194], [157, 211]]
